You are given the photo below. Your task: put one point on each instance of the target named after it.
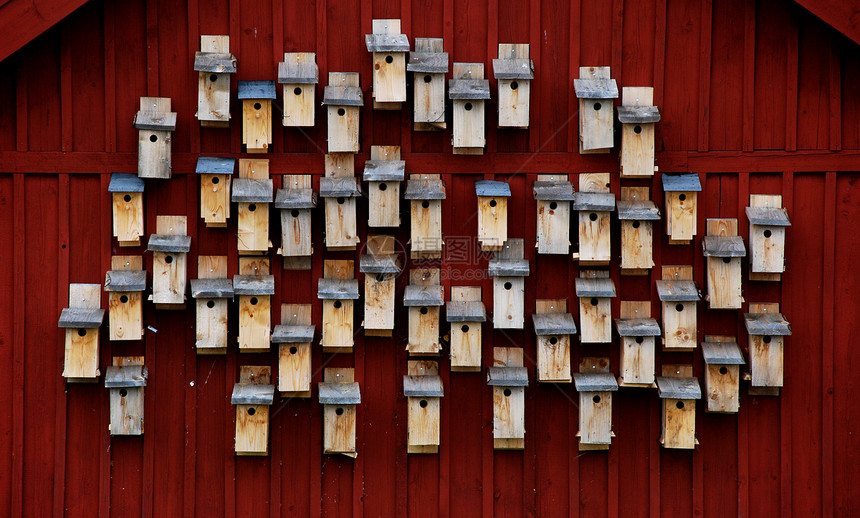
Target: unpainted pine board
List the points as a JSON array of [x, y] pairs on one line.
[[255, 374], [681, 216], [676, 272], [343, 121], [429, 102], [296, 233], [211, 326], [466, 346], [767, 358], [595, 320], [637, 140], [389, 77], [724, 282], [299, 105], [379, 300], [337, 326], [638, 361], [215, 199], [339, 429], [637, 244], [154, 154], [423, 422], [126, 411], [508, 302], [424, 331], [340, 223], [383, 204], [468, 124], [257, 125], [252, 228], [338, 269], [507, 357], [508, 407], [595, 418], [596, 117], [125, 311], [254, 168], [722, 227], [213, 99], [679, 325], [767, 243], [722, 387], [514, 100], [594, 228], [679, 424], [635, 309], [254, 266], [252, 430], [339, 165], [425, 277], [294, 370], [426, 227], [81, 355], [553, 359], [169, 276], [676, 370], [593, 364], [255, 323], [553, 227], [492, 222], [127, 217]]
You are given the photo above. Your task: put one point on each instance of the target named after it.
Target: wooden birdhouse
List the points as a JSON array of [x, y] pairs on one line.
[[595, 289], [637, 214], [257, 97], [343, 100], [127, 207], [553, 194], [492, 213], [169, 246], [380, 266], [509, 380], [339, 395], [255, 287], [424, 296], [383, 174], [553, 327], [594, 203], [389, 49], [514, 72], [82, 320], [422, 387], [294, 336], [428, 65], [125, 382], [509, 270], [425, 193], [637, 117], [678, 391], [125, 283], [678, 296], [253, 396], [215, 178], [469, 91], [156, 124], [466, 314], [723, 249], [253, 192], [637, 332], [681, 193], [299, 74], [595, 90], [339, 189], [212, 290], [214, 64], [767, 329], [723, 360], [295, 201], [337, 289], [768, 222], [595, 385]]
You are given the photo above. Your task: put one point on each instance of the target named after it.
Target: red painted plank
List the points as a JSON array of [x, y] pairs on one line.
[[22, 21]]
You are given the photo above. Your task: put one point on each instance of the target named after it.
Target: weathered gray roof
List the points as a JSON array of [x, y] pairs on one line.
[[339, 394], [639, 210], [723, 246], [492, 189], [595, 88], [553, 191], [384, 170], [428, 62], [722, 353], [252, 394], [422, 386], [677, 291], [169, 243], [682, 182], [508, 268], [386, 42], [125, 182], [155, 121], [386, 263], [678, 388], [425, 189], [595, 382], [257, 90], [212, 288], [415, 296], [466, 311], [254, 284], [298, 72], [638, 114], [765, 324], [343, 96], [594, 287], [81, 318], [507, 377], [554, 324], [339, 186], [125, 280], [295, 199], [126, 376], [769, 216], [215, 165], [292, 334], [214, 62], [598, 201], [468, 89], [637, 327], [516, 68], [337, 289], [249, 190]]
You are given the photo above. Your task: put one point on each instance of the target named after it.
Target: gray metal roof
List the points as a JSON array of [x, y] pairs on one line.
[[337, 289], [508, 268], [595, 88], [417, 296], [554, 324], [126, 376], [292, 334], [638, 210], [343, 96], [125, 280], [595, 287], [249, 190], [169, 243], [254, 284], [428, 62], [637, 327], [387, 263], [155, 121], [386, 42], [681, 182], [257, 90], [212, 288], [339, 186], [722, 353], [677, 291], [215, 165], [425, 189], [81, 318], [597, 201], [339, 394], [466, 311], [304, 198], [595, 382], [298, 72], [384, 170], [767, 324], [125, 182], [423, 386], [768, 216], [507, 377], [252, 394], [723, 246], [466, 89], [513, 68], [214, 62], [678, 388], [638, 114], [492, 189], [553, 191]]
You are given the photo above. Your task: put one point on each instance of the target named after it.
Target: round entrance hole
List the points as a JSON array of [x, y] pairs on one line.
[[464, 328], [596, 399], [423, 403], [123, 299], [341, 112], [339, 411], [468, 107], [507, 392], [210, 304], [508, 285]]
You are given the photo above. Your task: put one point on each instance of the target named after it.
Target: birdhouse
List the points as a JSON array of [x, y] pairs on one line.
[[343, 100], [509, 270], [156, 123], [595, 90], [125, 283], [126, 383], [339, 189], [255, 288], [253, 192], [514, 72], [295, 201], [299, 74], [389, 49], [339, 395], [383, 174], [553, 194], [424, 296], [595, 289], [337, 289], [466, 314], [767, 329], [768, 222], [425, 193], [214, 64], [428, 65], [723, 359], [469, 91], [553, 327], [680, 191], [169, 246], [637, 214], [212, 290], [594, 203], [127, 207], [253, 396], [679, 395], [509, 380], [215, 175], [492, 213], [82, 320], [637, 331], [380, 267], [678, 296], [294, 336], [422, 387], [637, 117], [595, 385], [256, 97], [723, 249]]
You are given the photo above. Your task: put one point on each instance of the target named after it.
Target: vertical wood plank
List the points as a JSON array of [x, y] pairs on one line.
[[791, 84], [749, 77], [828, 340], [705, 38], [19, 286]]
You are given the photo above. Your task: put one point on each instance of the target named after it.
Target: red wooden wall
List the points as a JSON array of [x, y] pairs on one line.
[[756, 96]]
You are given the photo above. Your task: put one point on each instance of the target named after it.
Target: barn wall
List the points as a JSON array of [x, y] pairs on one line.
[[757, 96]]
